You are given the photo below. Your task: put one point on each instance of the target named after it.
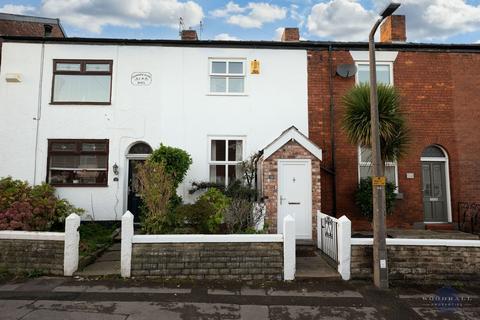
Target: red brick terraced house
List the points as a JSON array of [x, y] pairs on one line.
[[440, 89]]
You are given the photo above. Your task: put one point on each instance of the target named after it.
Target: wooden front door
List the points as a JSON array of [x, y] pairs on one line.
[[434, 191]]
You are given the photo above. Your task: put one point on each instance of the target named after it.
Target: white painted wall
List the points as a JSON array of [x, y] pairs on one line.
[[175, 110]]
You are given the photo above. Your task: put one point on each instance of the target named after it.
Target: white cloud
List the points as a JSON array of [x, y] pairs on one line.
[[340, 20], [427, 20], [93, 15], [478, 41], [225, 36], [278, 34], [230, 7], [16, 9], [253, 15]]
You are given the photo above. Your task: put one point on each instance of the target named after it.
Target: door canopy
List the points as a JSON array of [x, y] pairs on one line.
[[292, 134]]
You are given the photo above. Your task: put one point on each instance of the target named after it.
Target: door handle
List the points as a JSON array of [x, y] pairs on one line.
[[294, 203]]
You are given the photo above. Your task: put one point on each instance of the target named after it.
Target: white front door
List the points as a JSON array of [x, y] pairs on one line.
[[295, 195]]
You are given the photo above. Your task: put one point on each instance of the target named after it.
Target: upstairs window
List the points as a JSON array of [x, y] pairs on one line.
[[384, 74], [227, 76], [77, 162], [82, 81], [225, 158], [365, 166]]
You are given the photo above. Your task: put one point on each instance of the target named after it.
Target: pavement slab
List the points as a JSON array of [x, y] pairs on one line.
[[85, 299]]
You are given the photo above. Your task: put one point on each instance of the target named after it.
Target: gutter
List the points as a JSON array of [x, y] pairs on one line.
[[332, 132]]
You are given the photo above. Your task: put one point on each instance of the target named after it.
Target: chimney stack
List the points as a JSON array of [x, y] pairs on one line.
[[290, 35], [189, 35], [393, 29]]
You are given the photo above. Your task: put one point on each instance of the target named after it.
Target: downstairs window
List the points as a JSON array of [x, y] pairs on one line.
[[77, 162]]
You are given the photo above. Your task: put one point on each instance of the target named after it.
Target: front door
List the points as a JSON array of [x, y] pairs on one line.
[[134, 201], [295, 195], [434, 191]]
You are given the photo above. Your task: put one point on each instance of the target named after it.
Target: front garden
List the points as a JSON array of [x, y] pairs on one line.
[[219, 209]]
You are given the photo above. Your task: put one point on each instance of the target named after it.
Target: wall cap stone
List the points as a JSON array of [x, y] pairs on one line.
[[31, 235], [419, 242], [199, 238]]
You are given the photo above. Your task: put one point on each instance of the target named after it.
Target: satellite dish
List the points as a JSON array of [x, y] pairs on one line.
[[346, 70]]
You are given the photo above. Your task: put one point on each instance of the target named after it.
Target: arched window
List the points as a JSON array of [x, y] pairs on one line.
[[433, 152], [140, 148]]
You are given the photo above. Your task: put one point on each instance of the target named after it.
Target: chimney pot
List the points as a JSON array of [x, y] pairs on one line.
[[290, 34], [189, 35], [393, 29]]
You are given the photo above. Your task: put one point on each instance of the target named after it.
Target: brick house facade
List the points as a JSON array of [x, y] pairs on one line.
[[440, 98]]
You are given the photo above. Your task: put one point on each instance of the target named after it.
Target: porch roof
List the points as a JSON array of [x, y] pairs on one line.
[[292, 134]]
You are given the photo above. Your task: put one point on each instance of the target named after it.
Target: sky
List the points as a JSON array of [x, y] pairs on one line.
[[439, 21]]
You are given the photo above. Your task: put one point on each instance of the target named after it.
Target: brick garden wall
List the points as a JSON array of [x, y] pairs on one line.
[[425, 264], [440, 99], [45, 256], [209, 261]]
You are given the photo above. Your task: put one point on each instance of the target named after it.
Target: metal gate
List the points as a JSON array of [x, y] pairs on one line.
[[329, 243]]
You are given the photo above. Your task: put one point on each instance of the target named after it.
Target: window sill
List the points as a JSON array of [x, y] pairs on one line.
[[227, 94], [81, 103]]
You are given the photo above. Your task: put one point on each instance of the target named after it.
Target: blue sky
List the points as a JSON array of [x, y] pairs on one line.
[[342, 20]]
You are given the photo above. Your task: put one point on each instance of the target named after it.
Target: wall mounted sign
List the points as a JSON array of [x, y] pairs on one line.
[[141, 78], [255, 67]]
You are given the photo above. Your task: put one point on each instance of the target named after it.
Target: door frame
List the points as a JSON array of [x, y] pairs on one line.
[[129, 157], [447, 182], [308, 162]]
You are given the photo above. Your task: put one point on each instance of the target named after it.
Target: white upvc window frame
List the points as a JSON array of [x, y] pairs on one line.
[[367, 63], [227, 75], [369, 164], [225, 162]]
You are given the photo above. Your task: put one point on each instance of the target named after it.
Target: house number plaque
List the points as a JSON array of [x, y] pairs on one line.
[[141, 78]]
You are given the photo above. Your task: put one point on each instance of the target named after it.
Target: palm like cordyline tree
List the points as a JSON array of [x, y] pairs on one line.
[[393, 128]]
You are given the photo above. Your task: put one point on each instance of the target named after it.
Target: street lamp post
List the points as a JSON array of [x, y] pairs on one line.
[[380, 268]]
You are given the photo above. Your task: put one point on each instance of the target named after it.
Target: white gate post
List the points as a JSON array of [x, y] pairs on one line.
[[71, 245], [344, 234], [289, 247], [126, 247]]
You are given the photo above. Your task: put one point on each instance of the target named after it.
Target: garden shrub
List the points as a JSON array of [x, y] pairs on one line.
[[176, 161], [155, 188], [242, 216], [235, 189], [364, 199], [220, 204], [36, 208], [196, 218]]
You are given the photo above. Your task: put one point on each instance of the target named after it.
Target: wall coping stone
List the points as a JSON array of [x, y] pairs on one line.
[[419, 242], [31, 235], [199, 238]]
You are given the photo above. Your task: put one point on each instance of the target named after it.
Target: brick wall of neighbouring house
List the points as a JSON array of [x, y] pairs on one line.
[[43, 256], [209, 261], [291, 150], [440, 100], [425, 264], [27, 28]]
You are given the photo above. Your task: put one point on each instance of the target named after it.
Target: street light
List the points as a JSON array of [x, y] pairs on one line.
[[380, 268]]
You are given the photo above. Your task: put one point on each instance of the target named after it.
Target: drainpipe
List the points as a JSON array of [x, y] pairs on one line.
[[38, 115], [332, 131]]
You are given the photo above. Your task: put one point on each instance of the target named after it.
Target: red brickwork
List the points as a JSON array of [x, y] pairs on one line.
[[441, 100], [26, 28], [393, 29], [291, 150]]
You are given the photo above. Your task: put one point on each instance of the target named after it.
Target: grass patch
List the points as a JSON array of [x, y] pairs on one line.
[[95, 235]]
